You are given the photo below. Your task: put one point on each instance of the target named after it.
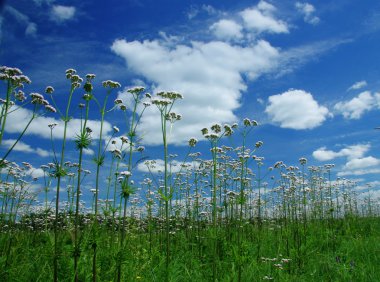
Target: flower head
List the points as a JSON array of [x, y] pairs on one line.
[[49, 90], [193, 142]]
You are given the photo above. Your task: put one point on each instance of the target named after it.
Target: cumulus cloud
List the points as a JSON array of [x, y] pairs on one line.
[[296, 109], [25, 148], [361, 163], [202, 72], [227, 29], [357, 106], [261, 19], [351, 152], [39, 127], [356, 164], [60, 13], [358, 85], [308, 11]]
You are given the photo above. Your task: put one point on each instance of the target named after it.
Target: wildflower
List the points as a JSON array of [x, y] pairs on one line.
[[118, 101], [20, 96], [136, 90], [88, 130], [87, 97], [111, 84], [228, 130], [124, 139], [14, 75], [204, 131], [147, 95], [38, 99], [170, 95], [126, 173], [161, 102], [123, 107], [81, 105], [88, 86], [193, 142], [36, 96], [50, 108], [247, 122], [115, 129], [278, 164], [49, 90], [140, 149], [216, 128], [172, 117], [70, 71], [303, 161], [90, 76], [76, 78], [259, 144]]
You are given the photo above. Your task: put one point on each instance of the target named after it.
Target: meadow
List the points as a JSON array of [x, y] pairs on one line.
[[218, 215]]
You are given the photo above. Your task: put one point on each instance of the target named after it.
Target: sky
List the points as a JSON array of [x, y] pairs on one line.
[[307, 72]]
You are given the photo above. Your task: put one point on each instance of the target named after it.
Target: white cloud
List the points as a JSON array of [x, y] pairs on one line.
[[307, 10], [36, 172], [227, 29], [202, 72], [31, 30], [298, 56], [31, 27], [194, 11], [351, 152], [25, 148], [359, 172], [357, 106], [40, 2], [89, 152], [296, 109], [61, 13], [39, 126], [356, 163], [373, 194], [358, 85], [210, 10], [261, 19], [368, 186], [158, 165], [360, 163]]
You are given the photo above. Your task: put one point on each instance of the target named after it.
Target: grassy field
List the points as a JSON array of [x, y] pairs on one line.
[[345, 249], [215, 216]]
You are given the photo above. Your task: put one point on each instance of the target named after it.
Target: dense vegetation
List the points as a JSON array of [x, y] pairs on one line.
[[217, 217]]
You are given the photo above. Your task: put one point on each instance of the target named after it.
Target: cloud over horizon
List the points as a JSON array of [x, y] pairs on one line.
[[202, 72]]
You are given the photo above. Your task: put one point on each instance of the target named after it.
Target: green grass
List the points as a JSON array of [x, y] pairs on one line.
[[338, 250]]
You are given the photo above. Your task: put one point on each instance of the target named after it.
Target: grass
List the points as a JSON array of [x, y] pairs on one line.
[[219, 217], [341, 250]]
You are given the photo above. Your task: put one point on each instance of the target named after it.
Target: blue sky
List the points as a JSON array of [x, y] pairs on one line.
[[308, 72]]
